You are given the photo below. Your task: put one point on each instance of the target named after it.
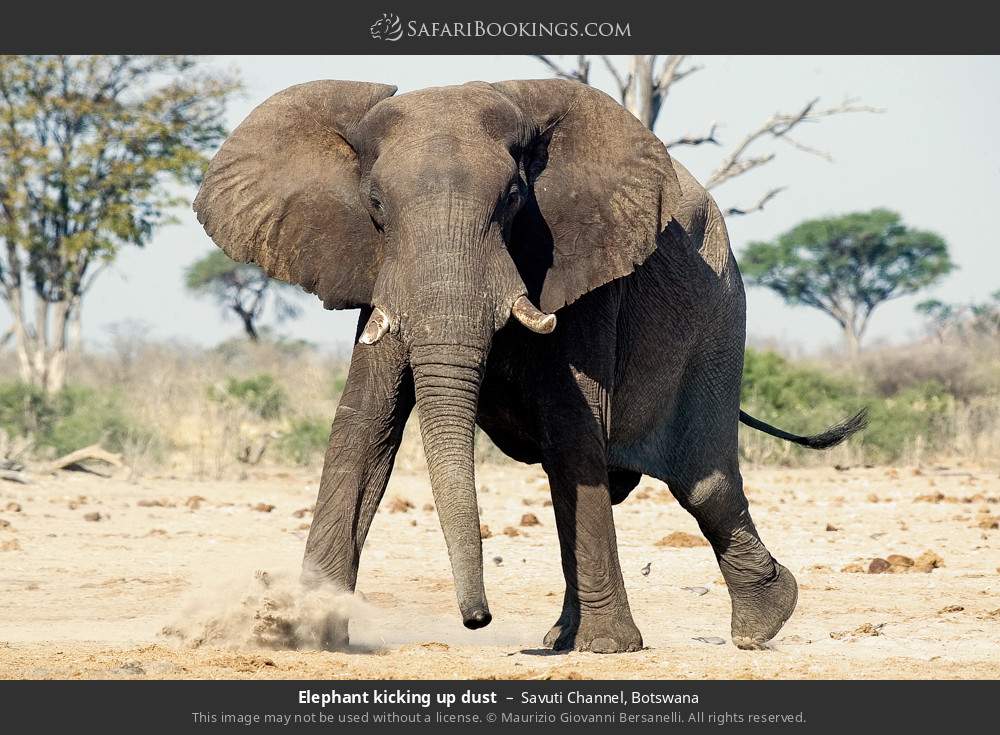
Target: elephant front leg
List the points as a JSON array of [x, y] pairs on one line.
[[596, 615], [366, 433]]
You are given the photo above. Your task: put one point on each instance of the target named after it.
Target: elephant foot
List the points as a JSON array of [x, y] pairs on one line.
[[567, 620], [761, 609], [602, 633], [334, 636]]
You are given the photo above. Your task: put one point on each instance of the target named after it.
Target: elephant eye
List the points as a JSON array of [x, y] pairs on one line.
[[376, 202]]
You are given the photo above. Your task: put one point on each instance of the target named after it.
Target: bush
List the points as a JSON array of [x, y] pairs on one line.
[[305, 440], [917, 416], [258, 394], [75, 417]]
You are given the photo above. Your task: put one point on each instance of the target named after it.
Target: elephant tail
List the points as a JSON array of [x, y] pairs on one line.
[[831, 437]]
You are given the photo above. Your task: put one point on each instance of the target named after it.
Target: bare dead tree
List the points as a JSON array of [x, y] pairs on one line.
[[643, 88]]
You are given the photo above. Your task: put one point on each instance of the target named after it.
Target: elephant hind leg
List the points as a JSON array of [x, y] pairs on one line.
[[701, 469], [762, 591]]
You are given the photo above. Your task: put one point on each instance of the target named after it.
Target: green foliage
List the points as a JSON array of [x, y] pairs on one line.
[[916, 413], [846, 266], [806, 399], [241, 288], [91, 146], [305, 440], [259, 394], [73, 418], [771, 381]]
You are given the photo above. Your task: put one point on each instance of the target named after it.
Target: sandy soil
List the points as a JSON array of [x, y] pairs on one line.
[[83, 598]]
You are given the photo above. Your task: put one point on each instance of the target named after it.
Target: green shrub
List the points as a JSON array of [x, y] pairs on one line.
[[73, 418], [259, 394], [921, 413], [305, 440]]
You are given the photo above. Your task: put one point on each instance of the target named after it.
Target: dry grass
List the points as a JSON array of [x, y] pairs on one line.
[[193, 428]]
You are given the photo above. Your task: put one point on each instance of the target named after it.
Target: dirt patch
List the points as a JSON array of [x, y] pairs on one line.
[[681, 540], [88, 600]]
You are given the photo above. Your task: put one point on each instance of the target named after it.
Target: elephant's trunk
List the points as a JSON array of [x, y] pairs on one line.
[[446, 381]]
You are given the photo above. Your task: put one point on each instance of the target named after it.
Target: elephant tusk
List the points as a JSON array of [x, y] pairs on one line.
[[375, 329], [537, 321]]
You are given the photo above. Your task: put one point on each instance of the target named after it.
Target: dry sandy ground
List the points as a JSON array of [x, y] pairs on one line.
[[86, 598]]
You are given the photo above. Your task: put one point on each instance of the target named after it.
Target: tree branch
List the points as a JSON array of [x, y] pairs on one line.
[[777, 127], [693, 140], [580, 74], [622, 82], [757, 207]]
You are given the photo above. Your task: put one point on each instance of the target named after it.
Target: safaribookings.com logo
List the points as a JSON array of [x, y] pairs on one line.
[[390, 28]]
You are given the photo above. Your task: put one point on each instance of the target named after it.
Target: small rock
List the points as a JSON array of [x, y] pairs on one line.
[[645, 570], [898, 560], [262, 507], [95, 516], [484, 531], [400, 505], [700, 591], [878, 566], [10, 545], [711, 640], [928, 562], [511, 531], [13, 507], [950, 609], [428, 507], [4, 523], [530, 519], [194, 502], [498, 560], [831, 527], [302, 512]]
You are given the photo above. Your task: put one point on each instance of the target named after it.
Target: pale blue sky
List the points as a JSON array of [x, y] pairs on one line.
[[931, 156]]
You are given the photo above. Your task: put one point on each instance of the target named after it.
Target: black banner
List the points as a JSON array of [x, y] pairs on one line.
[[431, 706], [451, 27]]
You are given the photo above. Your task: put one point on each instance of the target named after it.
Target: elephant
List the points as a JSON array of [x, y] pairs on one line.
[[465, 222]]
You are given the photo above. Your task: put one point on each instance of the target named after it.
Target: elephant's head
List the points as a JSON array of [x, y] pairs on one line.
[[448, 210]]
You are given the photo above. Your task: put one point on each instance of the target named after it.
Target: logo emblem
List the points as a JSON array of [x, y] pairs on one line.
[[387, 28]]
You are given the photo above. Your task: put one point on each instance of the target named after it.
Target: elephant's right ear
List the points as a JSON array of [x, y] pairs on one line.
[[282, 192]]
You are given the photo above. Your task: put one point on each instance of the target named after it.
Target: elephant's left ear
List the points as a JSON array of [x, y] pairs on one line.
[[603, 183]]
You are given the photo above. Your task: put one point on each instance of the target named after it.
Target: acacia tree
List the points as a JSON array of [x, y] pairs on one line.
[[964, 320], [241, 288], [643, 84], [90, 148], [847, 266]]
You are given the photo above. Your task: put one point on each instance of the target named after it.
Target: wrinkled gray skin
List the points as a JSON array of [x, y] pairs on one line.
[[440, 208]]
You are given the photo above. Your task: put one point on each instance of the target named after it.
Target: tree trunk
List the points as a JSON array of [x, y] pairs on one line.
[[41, 347], [248, 325], [639, 95], [852, 341]]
